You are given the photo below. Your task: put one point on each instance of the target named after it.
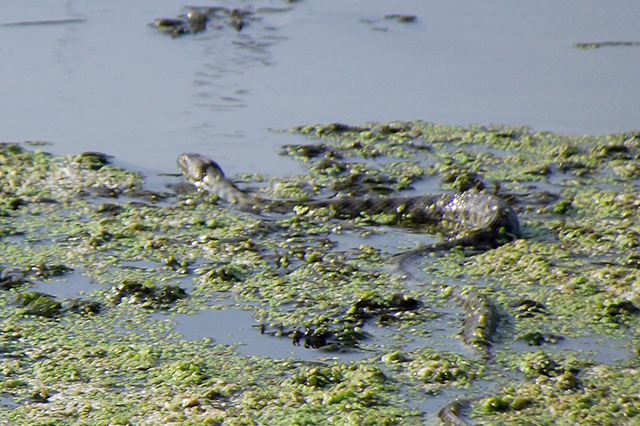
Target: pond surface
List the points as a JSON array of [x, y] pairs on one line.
[[113, 84]]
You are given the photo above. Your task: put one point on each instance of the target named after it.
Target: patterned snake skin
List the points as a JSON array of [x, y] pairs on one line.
[[473, 218]]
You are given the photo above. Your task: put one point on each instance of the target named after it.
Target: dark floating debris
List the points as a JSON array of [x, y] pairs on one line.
[[537, 338], [450, 413], [44, 270], [39, 304], [11, 278], [606, 44], [236, 19], [402, 18], [480, 323], [346, 334], [83, 306], [146, 294], [200, 18], [193, 23], [93, 160], [47, 306], [380, 24]]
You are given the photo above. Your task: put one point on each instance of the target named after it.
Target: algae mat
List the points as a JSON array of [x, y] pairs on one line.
[[566, 291]]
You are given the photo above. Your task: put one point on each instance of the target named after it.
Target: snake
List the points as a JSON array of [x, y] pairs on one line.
[[472, 218]]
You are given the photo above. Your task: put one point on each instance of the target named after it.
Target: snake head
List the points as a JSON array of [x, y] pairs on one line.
[[197, 168]]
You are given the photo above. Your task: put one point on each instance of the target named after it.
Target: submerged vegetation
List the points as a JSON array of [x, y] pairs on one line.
[[541, 306]]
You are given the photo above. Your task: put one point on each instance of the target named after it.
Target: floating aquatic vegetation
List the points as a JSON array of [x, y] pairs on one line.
[[572, 273]]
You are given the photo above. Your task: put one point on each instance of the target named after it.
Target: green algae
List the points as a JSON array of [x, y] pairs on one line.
[[146, 294], [38, 304], [571, 266], [108, 360]]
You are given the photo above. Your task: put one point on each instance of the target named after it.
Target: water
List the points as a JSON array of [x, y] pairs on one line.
[[73, 285], [232, 326], [596, 348], [114, 84]]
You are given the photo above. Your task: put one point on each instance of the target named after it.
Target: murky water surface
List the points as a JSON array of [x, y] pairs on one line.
[[113, 84]]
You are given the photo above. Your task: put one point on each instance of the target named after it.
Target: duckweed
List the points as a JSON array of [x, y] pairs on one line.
[[111, 356]]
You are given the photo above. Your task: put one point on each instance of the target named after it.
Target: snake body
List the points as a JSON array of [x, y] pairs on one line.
[[450, 413], [471, 218]]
